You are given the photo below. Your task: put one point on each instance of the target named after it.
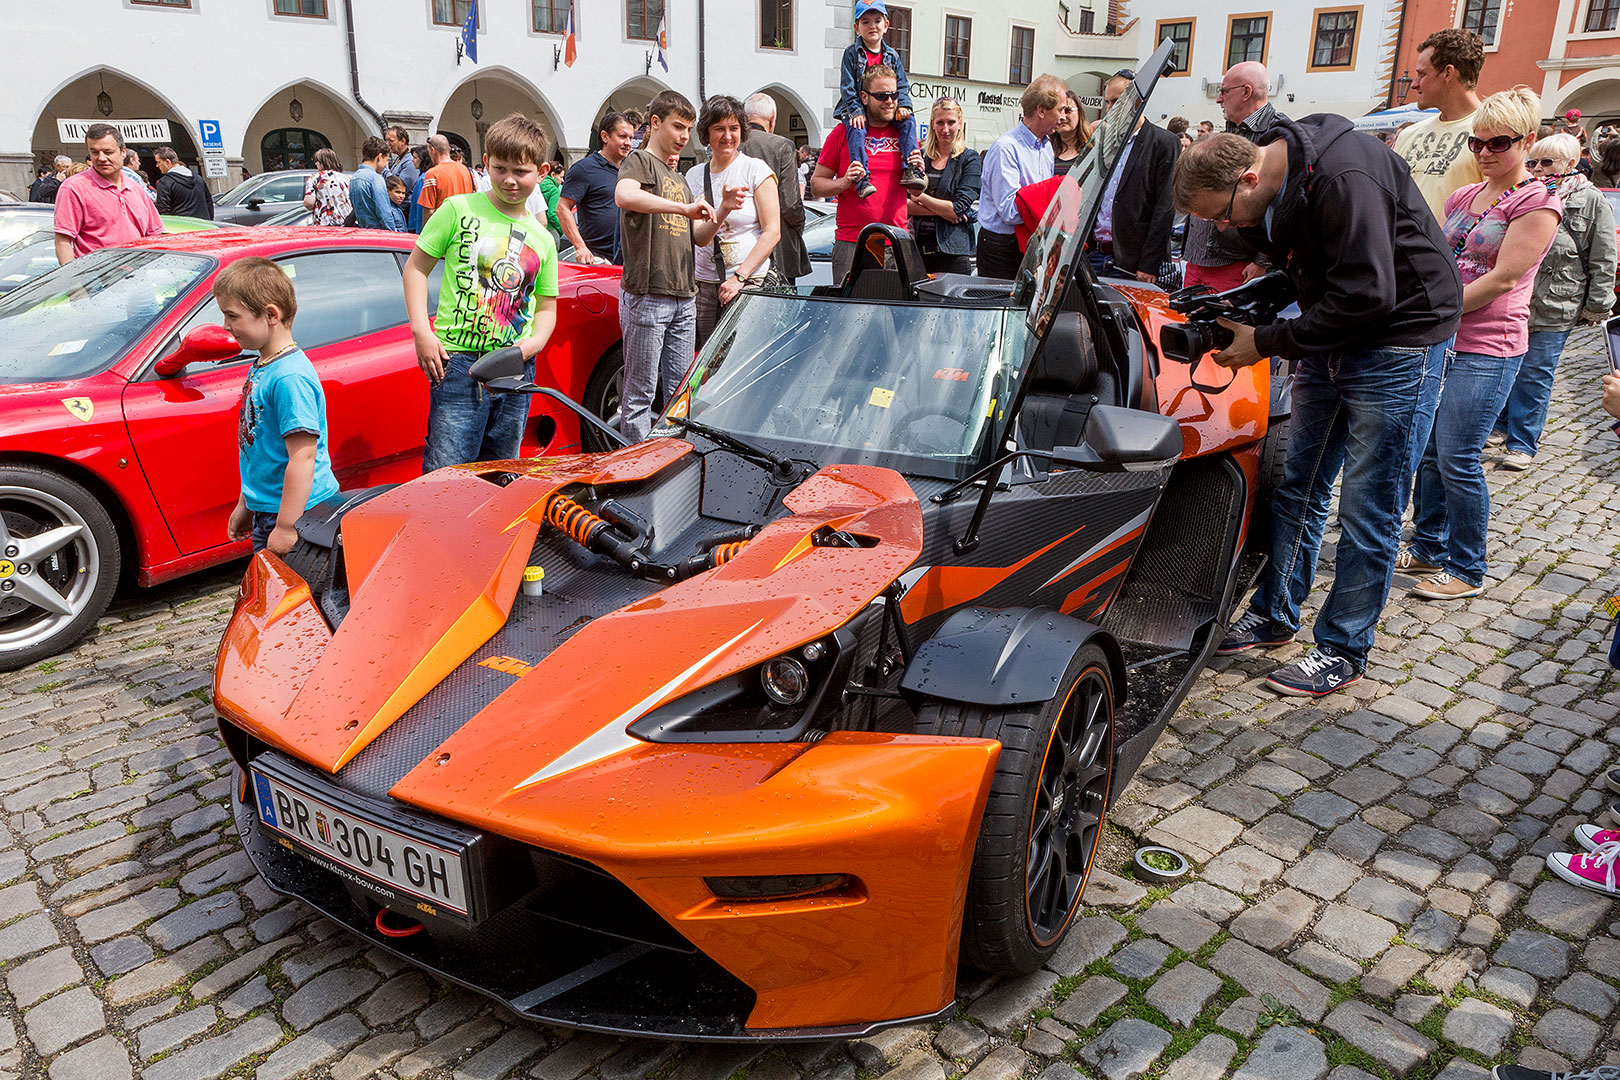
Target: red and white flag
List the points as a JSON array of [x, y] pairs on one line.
[[570, 47]]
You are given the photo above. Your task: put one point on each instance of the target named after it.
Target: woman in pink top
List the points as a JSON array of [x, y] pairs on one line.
[[1499, 230]]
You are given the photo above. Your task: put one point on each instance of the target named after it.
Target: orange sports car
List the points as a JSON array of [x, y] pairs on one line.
[[759, 727]]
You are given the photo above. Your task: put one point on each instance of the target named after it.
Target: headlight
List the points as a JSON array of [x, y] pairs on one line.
[[785, 680]]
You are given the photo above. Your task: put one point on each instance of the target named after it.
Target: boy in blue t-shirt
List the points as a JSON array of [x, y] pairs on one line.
[[870, 50], [281, 423]]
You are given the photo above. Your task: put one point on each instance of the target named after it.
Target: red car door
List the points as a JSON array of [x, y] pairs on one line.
[[351, 323]]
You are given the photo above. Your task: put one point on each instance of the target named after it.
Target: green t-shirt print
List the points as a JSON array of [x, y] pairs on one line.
[[494, 268]]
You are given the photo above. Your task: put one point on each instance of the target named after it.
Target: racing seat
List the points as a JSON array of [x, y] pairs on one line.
[[1064, 384], [888, 265]]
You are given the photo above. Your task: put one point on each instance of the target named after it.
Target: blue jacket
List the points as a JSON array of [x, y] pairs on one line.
[[854, 68], [960, 184], [368, 194]]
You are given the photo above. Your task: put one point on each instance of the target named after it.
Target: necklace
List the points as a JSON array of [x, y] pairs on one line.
[[1462, 241], [277, 355]]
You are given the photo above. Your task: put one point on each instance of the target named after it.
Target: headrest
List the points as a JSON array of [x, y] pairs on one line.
[[1067, 361]]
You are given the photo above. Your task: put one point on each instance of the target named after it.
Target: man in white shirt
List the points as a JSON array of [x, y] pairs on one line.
[[1436, 148]]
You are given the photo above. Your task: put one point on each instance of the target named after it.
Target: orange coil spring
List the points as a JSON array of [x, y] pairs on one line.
[[724, 553], [573, 519]]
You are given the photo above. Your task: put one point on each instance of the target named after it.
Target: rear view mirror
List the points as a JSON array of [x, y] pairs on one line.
[[1123, 440], [207, 344], [501, 364]]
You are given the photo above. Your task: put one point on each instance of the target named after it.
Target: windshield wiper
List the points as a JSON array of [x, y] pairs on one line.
[[782, 468]]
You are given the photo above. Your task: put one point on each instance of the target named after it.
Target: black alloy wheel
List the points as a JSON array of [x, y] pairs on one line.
[[1043, 820], [604, 395]]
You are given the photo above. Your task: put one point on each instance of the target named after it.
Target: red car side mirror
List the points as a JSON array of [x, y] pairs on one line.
[[207, 344]]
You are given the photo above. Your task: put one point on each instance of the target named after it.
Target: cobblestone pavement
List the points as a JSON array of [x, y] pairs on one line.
[[1369, 899]]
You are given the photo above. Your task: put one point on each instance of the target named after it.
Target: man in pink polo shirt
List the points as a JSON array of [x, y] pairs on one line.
[[99, 206]]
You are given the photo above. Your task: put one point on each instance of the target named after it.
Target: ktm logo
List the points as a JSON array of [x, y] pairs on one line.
[[507, 665], [951, 374]]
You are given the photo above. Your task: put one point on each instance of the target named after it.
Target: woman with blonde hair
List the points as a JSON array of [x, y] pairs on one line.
[[942, 214], [1499, 230], [1575, 285]]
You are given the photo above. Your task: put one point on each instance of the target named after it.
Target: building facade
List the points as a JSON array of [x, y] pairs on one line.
[[282, 78], [1568, 51], [1323, 55]]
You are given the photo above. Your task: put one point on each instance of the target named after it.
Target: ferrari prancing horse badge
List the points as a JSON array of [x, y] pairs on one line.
[[81, 407]]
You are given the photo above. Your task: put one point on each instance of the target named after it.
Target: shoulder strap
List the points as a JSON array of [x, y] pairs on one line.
[[719, 255]]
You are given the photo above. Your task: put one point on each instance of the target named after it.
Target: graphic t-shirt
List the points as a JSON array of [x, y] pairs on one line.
[[279, 399], [1437, 152], [884, 165], [1501, 327], [494, 267], [443, 182], [741, 230], [657, 248]]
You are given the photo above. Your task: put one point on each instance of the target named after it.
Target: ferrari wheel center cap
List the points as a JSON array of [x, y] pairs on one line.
[[7, 568]]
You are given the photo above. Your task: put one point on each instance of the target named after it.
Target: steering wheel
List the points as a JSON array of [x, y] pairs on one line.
[[942, 436]]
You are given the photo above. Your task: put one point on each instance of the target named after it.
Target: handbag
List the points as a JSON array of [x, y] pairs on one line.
[[771, 279]]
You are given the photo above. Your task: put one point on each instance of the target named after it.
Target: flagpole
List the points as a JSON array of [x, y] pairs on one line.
[[702, 67]]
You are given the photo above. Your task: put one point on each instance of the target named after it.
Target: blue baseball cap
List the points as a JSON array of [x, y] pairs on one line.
[[867, 7]]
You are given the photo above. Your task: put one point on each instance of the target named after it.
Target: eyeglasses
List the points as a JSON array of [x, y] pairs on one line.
[[944, 99], [878, 95], [1226, 218], [1125, 73], [1223, 91], [1496, 144]]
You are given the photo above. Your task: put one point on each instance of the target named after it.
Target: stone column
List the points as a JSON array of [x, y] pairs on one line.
[[418, 125], [16, 172]]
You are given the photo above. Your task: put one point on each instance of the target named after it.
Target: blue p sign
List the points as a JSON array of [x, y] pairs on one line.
[[211, 139]]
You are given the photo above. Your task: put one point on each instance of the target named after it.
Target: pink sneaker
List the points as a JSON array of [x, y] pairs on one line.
[[1592, 837], [1595, 870]]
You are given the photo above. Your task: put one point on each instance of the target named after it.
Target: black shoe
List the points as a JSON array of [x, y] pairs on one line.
[[865, 189], [1314, 675], [1253, 631], [1612, 778], [914, 179], [1519, 1072]]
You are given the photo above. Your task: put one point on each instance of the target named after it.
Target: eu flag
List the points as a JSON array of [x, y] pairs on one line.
[[469, 32]]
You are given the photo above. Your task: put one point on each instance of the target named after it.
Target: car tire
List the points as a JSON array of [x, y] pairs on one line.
[[604, 390], [1015, 920], [1273, 456], [81, 573], [309, 561]]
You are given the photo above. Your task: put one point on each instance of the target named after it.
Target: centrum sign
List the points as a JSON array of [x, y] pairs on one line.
[[133, 131], [988, 108]]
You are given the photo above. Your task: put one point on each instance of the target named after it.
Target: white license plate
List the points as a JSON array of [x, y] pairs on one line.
[[375, 851]]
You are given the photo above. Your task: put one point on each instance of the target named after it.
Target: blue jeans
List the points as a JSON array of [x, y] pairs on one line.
[[856, 138], [660, 338], [1525, 413], [263, 525], [468, 422], [1452, 504], [1363, 412]]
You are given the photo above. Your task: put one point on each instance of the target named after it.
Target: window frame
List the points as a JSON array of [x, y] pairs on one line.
[[308, 153], [1088, 21], [945, 48], [792, 23], [433, 19], [1192, 34], [1496, 33], [652, 30], [1265, 38], [561, 31], [1355, 37], [908, 30], [162, 5], [1612, 7], [324, 16], [1012, 53]]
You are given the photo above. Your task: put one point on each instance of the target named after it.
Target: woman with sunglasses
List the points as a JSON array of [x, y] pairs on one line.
[[1575, 285], [1499, 230], [942, 215]]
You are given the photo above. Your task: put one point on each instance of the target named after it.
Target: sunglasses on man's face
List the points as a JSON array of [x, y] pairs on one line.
[[1496, 144], [880, 95]]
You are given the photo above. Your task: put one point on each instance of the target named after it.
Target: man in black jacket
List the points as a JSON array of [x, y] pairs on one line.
[[179, 190], [1135, 218], [760, 141], [1380, 300]]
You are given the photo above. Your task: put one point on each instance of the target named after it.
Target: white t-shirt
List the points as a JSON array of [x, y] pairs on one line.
[[742, 230]]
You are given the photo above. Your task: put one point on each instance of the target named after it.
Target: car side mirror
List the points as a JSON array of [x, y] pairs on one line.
[[207, 344], [501, 364], [1123, 440], [255, 202]]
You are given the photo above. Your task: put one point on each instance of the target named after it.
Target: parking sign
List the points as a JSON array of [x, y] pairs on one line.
[[213, 149]]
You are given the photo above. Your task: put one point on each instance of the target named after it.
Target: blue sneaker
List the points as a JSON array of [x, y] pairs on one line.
[[1314, 675], [1253, 631]]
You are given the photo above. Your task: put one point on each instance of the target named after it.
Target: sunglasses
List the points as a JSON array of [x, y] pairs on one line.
[[877, 95], [1496, 144], [1545, 163]]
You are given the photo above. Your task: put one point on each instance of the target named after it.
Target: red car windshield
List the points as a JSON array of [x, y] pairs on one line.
[[79, 319]]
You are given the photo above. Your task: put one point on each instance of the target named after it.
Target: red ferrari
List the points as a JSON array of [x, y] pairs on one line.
[[118, 396]]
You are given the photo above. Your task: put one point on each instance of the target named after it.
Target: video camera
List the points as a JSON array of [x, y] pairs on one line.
[[1254, 303]]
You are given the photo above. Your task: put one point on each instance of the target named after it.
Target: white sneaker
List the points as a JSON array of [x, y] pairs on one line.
[[1496, 438], [1517, 460]]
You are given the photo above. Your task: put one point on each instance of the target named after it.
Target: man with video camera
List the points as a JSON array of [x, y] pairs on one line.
[[1380, 300]]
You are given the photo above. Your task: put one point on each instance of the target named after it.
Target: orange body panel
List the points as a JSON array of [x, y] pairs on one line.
[[275, 616], [1210, 423]]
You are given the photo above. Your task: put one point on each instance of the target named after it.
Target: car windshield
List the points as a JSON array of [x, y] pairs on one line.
[[26, 260], [80, 318], [911, 386], [18, 223]]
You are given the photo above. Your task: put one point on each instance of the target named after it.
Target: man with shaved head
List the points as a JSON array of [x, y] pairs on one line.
[[1224, 260], [447, 177]]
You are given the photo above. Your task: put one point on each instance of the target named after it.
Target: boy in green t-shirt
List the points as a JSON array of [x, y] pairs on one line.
[[499, 289]]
